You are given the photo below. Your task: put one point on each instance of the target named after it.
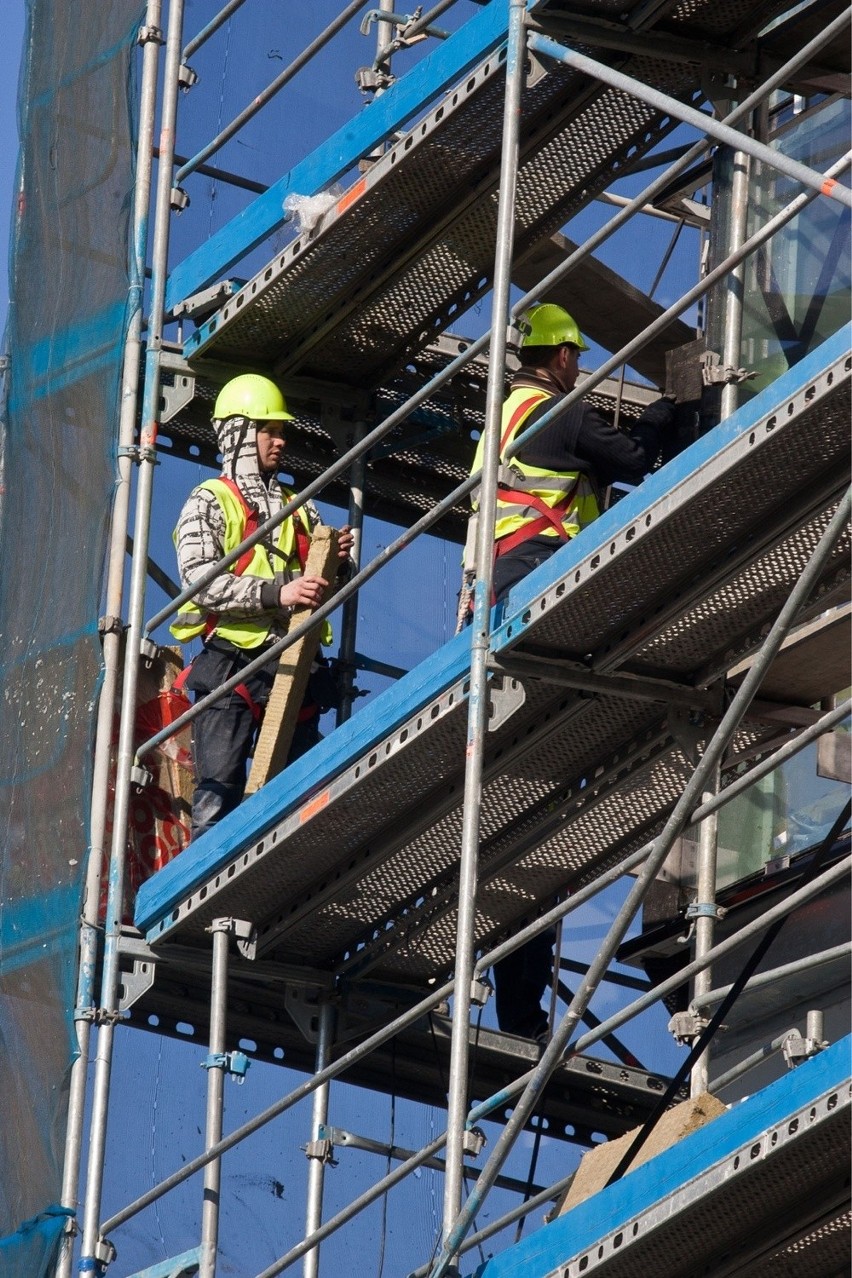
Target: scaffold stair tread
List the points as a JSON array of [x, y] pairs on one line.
[[348, 860]]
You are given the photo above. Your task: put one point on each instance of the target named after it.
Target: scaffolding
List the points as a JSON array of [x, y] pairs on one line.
[[568, 737]]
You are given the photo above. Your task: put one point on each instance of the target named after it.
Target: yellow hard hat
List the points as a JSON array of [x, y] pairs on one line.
[[251, 395], [547, 324]]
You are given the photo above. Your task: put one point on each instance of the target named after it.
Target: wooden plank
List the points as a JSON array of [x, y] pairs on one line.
[[294, 668]]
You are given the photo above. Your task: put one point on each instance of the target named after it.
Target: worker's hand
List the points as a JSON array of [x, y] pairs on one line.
[[304, 592], [345, 542]]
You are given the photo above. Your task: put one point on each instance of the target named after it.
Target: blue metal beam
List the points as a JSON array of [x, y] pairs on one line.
[[335, 157], [579, 1230]]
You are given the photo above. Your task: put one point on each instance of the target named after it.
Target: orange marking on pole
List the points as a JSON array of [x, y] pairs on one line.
[[828, 186], [316, 805], [352, 195]]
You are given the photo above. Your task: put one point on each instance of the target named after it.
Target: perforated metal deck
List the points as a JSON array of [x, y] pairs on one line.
[[761, 1190], [410, 244], [348, 860]]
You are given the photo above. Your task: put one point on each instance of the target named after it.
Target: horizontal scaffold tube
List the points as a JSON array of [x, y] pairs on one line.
[[821, 183], [431, 517], [574, 902], [401, 414]]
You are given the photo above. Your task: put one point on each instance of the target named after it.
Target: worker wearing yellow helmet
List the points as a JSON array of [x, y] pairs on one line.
[[546, 495], [246, 608]]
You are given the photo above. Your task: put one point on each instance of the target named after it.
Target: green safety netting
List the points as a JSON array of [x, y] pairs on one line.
[[68, 289]]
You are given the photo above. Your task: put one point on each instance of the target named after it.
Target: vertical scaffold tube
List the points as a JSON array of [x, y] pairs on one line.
[[93, 1252], [705, 921], [319, 1116], [478, 699], [216, 1065], [718, 743], [349, 623], [88, 950], [732, 341]]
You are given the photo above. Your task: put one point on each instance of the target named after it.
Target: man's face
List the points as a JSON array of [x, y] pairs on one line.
[[569, 366], [270, 445]]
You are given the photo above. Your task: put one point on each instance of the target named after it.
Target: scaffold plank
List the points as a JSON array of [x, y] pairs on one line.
[[410, 245], [348, 860], [766, 1178]]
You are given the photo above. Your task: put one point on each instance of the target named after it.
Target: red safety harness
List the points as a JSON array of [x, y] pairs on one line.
[[548, 516], [251, 525]]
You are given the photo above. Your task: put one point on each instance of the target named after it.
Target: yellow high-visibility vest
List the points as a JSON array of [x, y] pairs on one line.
[[244, 632], [530, 497]]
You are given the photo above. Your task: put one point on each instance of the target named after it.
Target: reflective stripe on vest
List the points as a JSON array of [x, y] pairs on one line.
[[532, 501], [193, 620]]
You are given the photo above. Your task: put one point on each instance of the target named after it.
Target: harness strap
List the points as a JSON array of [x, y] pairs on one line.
[[256, 711]]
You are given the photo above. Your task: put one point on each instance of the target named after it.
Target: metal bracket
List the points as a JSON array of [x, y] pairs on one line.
[[242, 930], [236, 1063], [797, 1049], [150, 35], [136, 982], [302, 1005], [187, 78], [687, 731], [685, 1027], [322, 1150], [369, 80], [480, 992], [473, 1142], [110, 626], [199, 305], [705, 910], [148, 650], [714, 374], [176, 397], [178, 199], [140, 776], [506, 696]]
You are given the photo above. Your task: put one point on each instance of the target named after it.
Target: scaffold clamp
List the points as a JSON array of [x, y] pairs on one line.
[[480, 992], [685, 1027], [705, 910], [235, 1063], [322, 1150], [473, 1142]]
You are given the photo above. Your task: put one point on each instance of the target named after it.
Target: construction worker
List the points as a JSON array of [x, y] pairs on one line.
[[545, 496], [246, 608]]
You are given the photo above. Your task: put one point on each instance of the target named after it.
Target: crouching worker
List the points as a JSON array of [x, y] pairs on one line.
[[247, 608]]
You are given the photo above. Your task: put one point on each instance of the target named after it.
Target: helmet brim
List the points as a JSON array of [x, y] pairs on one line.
[[274, 417]]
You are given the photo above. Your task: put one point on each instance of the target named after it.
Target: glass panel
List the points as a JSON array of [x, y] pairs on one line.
[[797, 287]]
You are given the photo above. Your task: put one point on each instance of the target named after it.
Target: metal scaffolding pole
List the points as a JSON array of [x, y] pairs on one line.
[[480, 629], [267, 94], [150, 39], [676, 822], [735, 285], [349, 625], [319, 1117], [439, 995], [94, 1252], [338, 468], [705, 913], [216, 1066], [819, 182]]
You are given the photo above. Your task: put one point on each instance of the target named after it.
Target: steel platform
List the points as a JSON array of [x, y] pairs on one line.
[[586, 1100], [761, 1190], [347, 861], [409, 245]]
